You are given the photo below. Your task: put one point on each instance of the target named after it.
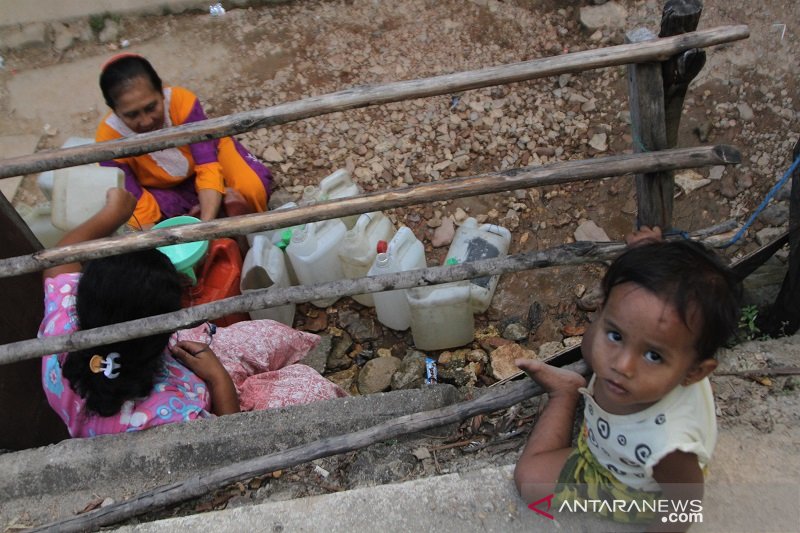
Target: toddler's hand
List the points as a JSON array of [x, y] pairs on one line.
[[643, 235], [200, 359]]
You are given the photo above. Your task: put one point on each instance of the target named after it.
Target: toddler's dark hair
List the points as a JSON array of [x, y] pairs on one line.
[[117, 73], [691, 278], [117, 289]]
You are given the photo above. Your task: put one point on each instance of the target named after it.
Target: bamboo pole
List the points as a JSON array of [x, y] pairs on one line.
[[569, 254], [201, 484], [369, 95], [557, 173]]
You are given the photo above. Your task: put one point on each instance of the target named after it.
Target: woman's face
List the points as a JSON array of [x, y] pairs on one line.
[[140, 106]]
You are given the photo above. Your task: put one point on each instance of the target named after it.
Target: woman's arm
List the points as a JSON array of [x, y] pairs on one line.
[[202, 360], [681, 481], [118, 209]]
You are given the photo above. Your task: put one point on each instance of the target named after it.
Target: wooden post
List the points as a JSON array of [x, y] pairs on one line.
[[27, 419], [784, 317], [679, 16], [648, 127]]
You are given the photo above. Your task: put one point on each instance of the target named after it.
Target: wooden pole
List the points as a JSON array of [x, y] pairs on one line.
[[569, 254], [201, 484], [654, 190], [679, 16], [369, 95], [34, 423], [558, 173]]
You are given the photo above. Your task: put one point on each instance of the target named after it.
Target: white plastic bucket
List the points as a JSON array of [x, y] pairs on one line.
[[274, 235], [80, 192], [359, 248], [473, 243], [441, 316], [265, 268], [313, 254], [404, 252]]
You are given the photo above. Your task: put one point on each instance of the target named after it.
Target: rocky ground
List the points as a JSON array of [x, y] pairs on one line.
[[746, 96]]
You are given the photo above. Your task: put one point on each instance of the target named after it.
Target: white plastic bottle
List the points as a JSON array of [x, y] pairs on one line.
[[274, 235], [473, 243], [359, 248], [404, 252], [313, 254], [264, 268], [441, 316], [80, 192]]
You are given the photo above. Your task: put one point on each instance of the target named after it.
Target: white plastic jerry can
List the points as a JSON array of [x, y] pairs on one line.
[[339, 185], [441, 316], [274, 235], [80, 192], [473, 243], [265, 268], [359, 248], [313, 254], [404, 252]]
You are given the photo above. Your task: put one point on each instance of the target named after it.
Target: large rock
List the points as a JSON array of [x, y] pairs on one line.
[[589, 231], [376, 376], [23, 36], [502, 360], [609, 15], [411, 374]]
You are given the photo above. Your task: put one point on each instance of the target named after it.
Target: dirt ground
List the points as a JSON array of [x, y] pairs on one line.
[[746, 96]]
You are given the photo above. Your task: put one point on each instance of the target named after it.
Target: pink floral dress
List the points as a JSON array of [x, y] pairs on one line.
[[260, 356]]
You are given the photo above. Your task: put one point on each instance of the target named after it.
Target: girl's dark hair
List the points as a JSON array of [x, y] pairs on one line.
[[117, 289], [692, 279], [118, 72]]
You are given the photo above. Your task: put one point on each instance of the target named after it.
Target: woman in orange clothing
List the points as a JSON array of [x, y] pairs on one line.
[[178, 180]]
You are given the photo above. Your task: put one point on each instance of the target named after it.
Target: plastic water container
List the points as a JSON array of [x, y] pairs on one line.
[[404, 252], [264, 268], [359, 248], [80, 192], [185, 256], [441, 316], [339, 185], [313, 254], [45, 179], [473, 243], [275, 235]]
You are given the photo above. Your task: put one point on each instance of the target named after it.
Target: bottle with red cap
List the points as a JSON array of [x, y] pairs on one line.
[[404, 252]]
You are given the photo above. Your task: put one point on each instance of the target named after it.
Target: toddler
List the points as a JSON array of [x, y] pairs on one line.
[[649, 423]]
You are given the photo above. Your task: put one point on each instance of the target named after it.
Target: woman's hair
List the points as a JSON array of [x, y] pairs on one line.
[[119, 71], [692, 279], [117, 289]]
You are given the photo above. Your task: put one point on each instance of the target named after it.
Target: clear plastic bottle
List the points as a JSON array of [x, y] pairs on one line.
[[358, 250], [313, 254], [404, 252]]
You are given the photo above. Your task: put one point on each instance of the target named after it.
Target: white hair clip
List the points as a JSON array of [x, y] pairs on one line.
[[108, 365]]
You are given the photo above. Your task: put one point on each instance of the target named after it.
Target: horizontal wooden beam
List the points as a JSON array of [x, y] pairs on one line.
[[557, 173], [369, 95]]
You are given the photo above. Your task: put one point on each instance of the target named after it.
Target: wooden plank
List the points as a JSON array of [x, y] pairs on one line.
[[557, 173], [654, 190], [370, 95], [201, 484], [784, 316], [679, 16], [28, 419]]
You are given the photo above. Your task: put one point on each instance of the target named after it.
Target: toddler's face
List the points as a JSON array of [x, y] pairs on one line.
[[640, 349]]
